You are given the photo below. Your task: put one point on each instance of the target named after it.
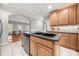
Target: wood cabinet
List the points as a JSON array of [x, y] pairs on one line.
[[53, 18], [69, 41], [63, 17], [41, 47], [33, 48], [64, 40], [77, 13], [43, 41], [78, 43], [73, 41], [72, 14], [44, 51]]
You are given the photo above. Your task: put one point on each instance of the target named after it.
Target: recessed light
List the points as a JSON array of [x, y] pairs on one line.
[[49, 7]]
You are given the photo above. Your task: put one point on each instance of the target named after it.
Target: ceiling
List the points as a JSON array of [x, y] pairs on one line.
[[32, 9], [20, 19]]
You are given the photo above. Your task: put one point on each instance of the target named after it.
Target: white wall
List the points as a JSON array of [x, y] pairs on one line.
[[37, 24], [15, 27], [19, 22], [4, 18], [10, 28], [18, 27], [18, 18], [48, 24]]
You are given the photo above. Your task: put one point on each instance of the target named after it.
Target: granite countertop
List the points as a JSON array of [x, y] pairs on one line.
[[55, 38]]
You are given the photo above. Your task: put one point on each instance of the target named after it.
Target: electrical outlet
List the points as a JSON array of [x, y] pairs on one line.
[[58, 28], [52, 28], [78, 28]]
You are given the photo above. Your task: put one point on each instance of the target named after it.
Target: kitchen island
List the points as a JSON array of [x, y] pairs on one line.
[[43, 44], [40, 43]]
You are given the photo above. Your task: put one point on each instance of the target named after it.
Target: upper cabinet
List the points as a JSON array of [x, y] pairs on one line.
[[72, 14], [77, 13], [63, 17], [53, 19]]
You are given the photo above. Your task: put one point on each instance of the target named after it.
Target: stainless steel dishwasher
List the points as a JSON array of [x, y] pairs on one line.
[[1, 31], [26, 42]]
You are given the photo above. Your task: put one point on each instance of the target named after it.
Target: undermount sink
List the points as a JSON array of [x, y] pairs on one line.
[[45, 34], [54, 37], [38, 33], [49, 35]]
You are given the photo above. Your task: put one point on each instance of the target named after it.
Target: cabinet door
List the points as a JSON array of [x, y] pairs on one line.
[[73, 41], [63, 17], [53, 19], [69, 41], [77, 13], [64, 40], [44, 51], [72, 14], [33, 48], [78, 43]]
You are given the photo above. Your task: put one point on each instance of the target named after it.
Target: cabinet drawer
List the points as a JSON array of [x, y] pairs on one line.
[[44, 51], [43, 42]]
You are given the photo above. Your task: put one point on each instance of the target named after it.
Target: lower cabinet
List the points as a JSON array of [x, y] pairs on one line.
[[68, 41], [44, 51], [38, 48], [64, 40], [73, 41], [78, 43], [33, 48]]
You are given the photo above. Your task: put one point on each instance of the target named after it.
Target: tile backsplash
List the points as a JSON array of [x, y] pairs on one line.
[[69, 29]]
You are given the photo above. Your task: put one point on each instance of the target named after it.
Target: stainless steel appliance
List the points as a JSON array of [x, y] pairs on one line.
[[1, 30], [26, 42]]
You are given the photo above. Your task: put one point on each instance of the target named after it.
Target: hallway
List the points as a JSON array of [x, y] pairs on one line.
[[13, 49]]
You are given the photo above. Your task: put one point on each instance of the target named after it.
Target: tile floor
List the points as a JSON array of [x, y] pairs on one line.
[[13, 49]]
